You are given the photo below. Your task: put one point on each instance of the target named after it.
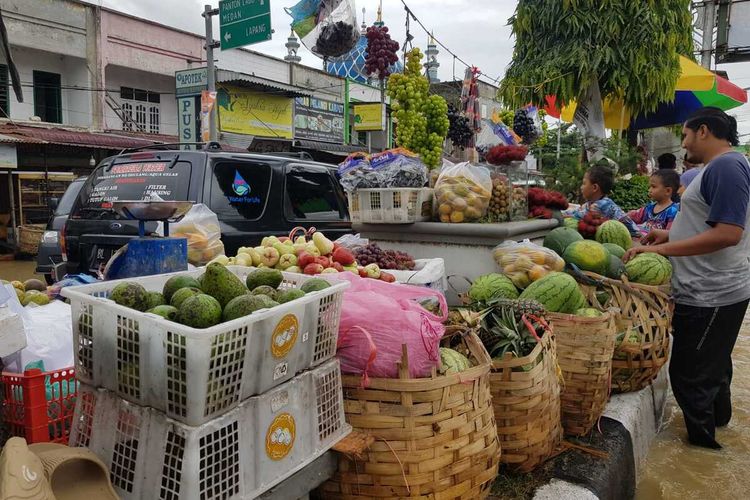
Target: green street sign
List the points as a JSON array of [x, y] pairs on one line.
[[244, 22]]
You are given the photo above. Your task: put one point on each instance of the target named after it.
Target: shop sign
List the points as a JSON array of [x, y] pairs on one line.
[[187, 116], [318, 120], [247, 112], [190, 82], [369, 117]]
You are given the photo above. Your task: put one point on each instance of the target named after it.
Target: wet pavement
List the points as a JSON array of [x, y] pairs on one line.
[[675, 470], [20, 270]]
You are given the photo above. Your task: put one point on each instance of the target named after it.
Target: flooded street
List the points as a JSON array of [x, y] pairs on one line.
[[676, 471], [20, 270]]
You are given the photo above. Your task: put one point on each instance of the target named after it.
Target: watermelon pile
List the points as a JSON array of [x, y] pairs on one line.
[[615, 232], [559, 238], [649, 269], [587, 255], [557, 292]]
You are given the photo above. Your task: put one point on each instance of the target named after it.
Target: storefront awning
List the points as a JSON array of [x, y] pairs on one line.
[[225, 76]]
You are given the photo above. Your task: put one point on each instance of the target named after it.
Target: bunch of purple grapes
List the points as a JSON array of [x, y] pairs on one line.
[[382, 52], [385, 259]]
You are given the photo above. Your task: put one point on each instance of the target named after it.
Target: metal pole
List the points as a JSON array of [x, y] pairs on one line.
[[559, 137], [707, 44], [208, 13], [11, 197]]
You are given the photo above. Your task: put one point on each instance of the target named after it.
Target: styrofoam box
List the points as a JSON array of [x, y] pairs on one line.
[[196, 375], [390, 206], [238, 455]]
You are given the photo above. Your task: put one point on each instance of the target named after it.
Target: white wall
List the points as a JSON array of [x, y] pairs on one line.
[[250, 63], [76, 103], [116, 77]]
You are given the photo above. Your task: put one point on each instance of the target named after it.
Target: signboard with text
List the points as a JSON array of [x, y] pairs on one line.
[[244, 22], [187, 116], [318, 120], [190, 82], [243, 111], [369, 117]]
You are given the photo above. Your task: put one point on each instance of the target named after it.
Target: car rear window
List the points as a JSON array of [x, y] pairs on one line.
[[240, 189], [134, 181], [67, 200]]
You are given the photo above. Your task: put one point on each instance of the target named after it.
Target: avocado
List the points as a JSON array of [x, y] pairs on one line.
[[221, 284], [314, 285], [285, 296], [200, 311], [34, 284], [266, 290], [175, 283], [166, 312], [155, 299], [130, 294], [182, 294], [265, 276], [245, 305]]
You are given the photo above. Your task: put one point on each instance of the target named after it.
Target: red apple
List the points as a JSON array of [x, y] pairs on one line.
[[343, 256], [337, 266], [323, 261], [362, 272], [313, 269], [304, 259]]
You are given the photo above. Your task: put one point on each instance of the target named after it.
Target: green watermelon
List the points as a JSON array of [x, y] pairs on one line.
[[649, 269], [588, 255], [492, 286], [588, 312], [559, 238], [615, 269], [571, 223], [615, 250], [557, 292], [615, 232]]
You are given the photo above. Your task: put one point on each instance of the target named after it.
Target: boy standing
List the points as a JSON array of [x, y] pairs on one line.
[[597, 184]]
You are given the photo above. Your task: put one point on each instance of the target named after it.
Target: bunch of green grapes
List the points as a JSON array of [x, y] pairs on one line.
[[422, 118]]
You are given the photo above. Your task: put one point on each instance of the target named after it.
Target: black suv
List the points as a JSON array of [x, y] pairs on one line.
[[253, 195]]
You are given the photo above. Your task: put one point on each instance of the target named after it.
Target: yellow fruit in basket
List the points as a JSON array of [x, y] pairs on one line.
[[509, 269], [507, 259], [538, 257], [445, 218], [520, 279], [445, 209], [473, 213], [461, 190], [537, 272], [459, 204], [524, 262], [457, 217]]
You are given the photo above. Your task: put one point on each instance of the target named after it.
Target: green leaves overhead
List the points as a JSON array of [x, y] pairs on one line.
[[631, 46]]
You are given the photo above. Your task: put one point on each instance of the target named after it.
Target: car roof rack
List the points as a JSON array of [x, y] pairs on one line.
[[205, 146]]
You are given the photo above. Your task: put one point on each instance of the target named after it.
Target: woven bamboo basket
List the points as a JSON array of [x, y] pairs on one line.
[[29, 237], [584, 353], [527, 405], [435, 438], [647, 312]]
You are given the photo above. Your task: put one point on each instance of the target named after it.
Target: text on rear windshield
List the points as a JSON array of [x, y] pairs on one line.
[[136, 181]]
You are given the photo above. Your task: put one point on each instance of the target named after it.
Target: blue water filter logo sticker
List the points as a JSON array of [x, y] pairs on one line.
[[240, 185]]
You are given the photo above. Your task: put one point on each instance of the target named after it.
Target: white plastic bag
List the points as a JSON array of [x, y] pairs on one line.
[[12, 334], [49, 336], [327, 27], [200, 227], [429, 273], [462, 192]]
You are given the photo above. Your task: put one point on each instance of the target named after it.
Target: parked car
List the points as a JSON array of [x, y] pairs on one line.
[[49, 253], [253, 195]]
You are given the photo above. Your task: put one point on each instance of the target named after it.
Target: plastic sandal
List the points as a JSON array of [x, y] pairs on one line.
[[22, 473], [74, 473]]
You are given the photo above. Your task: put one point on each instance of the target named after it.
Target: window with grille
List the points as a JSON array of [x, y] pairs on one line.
[[141, 110]]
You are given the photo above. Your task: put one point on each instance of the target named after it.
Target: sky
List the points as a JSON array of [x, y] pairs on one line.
[[476, 31]]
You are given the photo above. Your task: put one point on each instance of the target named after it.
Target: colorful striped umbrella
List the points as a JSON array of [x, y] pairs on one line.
[[697, 87]]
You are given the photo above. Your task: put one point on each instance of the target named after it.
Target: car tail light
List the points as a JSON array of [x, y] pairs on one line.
[[62, 241]]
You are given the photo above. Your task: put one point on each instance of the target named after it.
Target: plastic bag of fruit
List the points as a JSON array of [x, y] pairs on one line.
[[356, 172], [200, 227], [525, 262], [399, 168], [327, 27], [462, 192]]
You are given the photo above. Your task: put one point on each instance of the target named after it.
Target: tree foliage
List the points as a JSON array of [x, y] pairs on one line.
[[630, 47]]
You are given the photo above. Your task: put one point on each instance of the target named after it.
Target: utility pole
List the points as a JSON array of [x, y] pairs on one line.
[[208, 13], [709, 22]]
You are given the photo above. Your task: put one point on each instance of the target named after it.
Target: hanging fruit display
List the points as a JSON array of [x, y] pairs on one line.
[[470, 102], [381, 52], [422, 119], [459, 130]]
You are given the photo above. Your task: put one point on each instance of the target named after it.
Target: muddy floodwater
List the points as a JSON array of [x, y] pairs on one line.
[[677, 471]]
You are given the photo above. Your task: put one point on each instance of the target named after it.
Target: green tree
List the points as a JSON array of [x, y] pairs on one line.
[[624, 49]]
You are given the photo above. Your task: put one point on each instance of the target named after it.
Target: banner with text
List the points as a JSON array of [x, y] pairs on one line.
[[243, 111], [318, 120]]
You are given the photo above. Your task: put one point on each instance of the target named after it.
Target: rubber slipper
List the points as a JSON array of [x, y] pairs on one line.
[[74, 473], [22, 473]]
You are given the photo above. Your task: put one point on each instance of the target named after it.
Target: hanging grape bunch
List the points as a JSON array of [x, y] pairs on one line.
[[459, 130], [382, 52], [422, 118], [524, 126]]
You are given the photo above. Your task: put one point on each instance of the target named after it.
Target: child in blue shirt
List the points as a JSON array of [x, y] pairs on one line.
[[660, 213], [597, 184]]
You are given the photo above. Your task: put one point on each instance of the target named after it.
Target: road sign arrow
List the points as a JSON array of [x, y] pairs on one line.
[[227, 36]]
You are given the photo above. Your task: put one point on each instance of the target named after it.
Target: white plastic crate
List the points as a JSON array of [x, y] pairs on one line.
[[238, 455], [390, 206], [196, 375]]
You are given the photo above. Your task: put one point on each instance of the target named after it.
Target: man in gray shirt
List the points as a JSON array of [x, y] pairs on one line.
[[710, 253]]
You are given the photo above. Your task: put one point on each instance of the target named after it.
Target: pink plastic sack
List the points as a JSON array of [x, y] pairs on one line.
[[378, 318]]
